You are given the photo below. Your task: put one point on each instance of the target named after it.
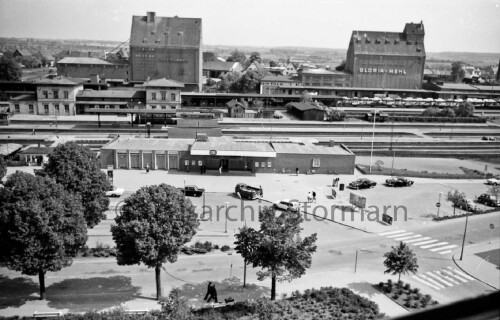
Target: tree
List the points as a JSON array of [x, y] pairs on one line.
[[306, 97], [494, 190], [447, 112], [3, 168], [154, 224], [341, 66], [431, 112], [227, 81], [31, 62], [247, 82], [254, 56], [455, 197], [41, 226], [237, 56], [400, 259], [457, 72], [246, 242], [335, 114], [278, 248], [379, 163], [10, 69], [77, 169], [464, 110], [273, 64]]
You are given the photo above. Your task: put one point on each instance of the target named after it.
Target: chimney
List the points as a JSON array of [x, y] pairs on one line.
[[150, 17]]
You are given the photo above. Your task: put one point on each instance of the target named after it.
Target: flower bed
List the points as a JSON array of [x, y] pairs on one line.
[[403, 294], [463, 215]]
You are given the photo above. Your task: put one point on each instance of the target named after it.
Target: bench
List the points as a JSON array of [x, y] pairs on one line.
[[50, 314], [140, 311]]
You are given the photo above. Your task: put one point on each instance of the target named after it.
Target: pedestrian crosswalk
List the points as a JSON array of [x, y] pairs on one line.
[[443, 278], [417, 240]]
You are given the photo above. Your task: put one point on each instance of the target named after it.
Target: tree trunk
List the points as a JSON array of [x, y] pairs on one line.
[[245, 274], [273, 287], [41, 280], [399, 278], [454, 208], [158, 282]]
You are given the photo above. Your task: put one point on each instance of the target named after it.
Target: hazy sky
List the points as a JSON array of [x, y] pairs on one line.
[[450, 25]]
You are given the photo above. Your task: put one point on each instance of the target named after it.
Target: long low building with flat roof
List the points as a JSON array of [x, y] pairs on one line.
[[227, 153]]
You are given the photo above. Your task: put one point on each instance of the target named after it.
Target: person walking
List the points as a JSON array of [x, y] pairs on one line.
[[314, 196], [297, 171], [220, 170], [147, 168], [201, 169], [261, 191], [309, 197], [213, 293], [208, 290]]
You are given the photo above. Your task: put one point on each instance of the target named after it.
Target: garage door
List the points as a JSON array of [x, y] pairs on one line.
[[173, 160], [148, 159], [134, 160], [122, 161], [161, 162]]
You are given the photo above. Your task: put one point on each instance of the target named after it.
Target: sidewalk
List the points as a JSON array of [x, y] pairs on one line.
[[481, 262]]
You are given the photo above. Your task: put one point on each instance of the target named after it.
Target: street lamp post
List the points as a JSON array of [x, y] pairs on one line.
[[439, 203], [226, 205], [465, 232], [373, 137]]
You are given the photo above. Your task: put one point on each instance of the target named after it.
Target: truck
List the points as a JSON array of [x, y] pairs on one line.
[[245, 191]]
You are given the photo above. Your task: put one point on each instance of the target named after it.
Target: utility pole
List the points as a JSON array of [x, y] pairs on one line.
[[465, 232], [373, 137]]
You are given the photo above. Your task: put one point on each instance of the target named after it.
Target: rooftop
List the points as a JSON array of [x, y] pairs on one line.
[[149, 144], [278, 78], [303, 106], [61, 81], [127, 94], [300, 148], [163, 83], [218, 65], [82, 60]]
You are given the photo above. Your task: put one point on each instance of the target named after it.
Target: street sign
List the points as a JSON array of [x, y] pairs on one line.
[[438, 204], [492, 226], [387, 218]]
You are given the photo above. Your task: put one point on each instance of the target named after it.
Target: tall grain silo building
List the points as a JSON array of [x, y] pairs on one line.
[[387, 59], [166, 47]]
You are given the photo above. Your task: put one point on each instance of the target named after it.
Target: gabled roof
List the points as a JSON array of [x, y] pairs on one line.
[[46, 55], [163, 83], [165, 31], [82, 60], [61, 81], [234, 103], [257, 65], [24, 52], [24, 97], [219, 65], [302, 106]]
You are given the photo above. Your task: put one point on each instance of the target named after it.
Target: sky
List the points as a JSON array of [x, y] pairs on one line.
[[450, 25]]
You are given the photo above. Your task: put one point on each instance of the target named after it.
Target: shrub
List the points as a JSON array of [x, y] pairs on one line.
[[407, 286], [407, 304], [395, 296], [381, 284], [225, 248]]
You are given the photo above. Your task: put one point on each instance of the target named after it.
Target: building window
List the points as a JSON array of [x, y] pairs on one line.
[[45, 94], [153, 106], [31, 110], [46, 108], [56, 94], [163, 96], [16, 108], [153, 96], [316, 163], [269, 164], [263, 164], [66, 95], [186, 162], [66, 108], [172, 96], [256, 164]]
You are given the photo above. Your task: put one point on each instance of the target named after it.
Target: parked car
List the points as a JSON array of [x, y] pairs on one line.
[[362, 183], [277, 115], [192, 191], [288, 205], [489, 138], [493, 181], [466, 204], [398, 182], [488, 200], [247, 192], [115, 192]]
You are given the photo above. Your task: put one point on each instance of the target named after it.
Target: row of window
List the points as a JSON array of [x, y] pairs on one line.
[[55, 94], [163, 96], [263, 164], [31, 109]]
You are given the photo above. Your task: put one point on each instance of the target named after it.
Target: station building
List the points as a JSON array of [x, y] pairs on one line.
[[230, 154], [165, 47], [387, 59]]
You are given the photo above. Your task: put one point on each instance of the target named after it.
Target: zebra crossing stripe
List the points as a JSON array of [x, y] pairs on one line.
[[434, 245], [391, 232], [415, 240], [445, 252], [399, 235], [461, 273], [424, 242], [444, 248], [454, 275], [434, 282], [410, 237], [439, 272], [440, 279], [425, 282]]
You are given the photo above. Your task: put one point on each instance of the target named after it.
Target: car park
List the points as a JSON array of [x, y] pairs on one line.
[[287, 205], [488, 200], [362, 183], [398, 182], [493, 181], [192, 191], [115, 192]]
